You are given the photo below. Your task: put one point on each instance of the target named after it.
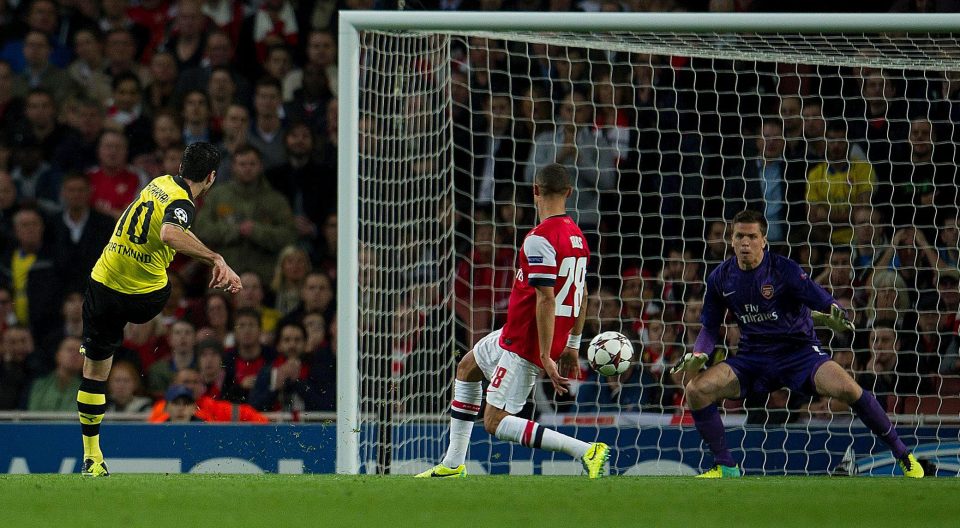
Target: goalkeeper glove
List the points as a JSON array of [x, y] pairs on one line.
[[690, 361], [836, 320]]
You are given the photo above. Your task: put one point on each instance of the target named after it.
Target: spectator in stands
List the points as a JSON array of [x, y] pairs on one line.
[[86, 70], [588, 157], [41, 18], [869, 239], [223, 92], [113, 183], [289, 277], [218, 320], [933, 336], [57, 391], [163, 78], [287, 383], [482, 287], [717, 244], [218, 55], [72, 312], [167, 132], [120, 50], [207, 408], [948, 243], [252, 298], [195, 112], [11, 105], [126, 114], [879, 118], [316, 296], [37, 180], [15, 371], [793, 142], [889, 371], [9, 205], [612, 118], [182, 339], [181, 405], [305, 183], [124, 389], [244, 219], [309, 102], [768, 181], [275, 22], [210, 367], [85, 120], [923, 176], [321, 54], [836, 187], [267, 131], [28, 268], [236, 123], [838, 277], [113, 16], [321, 345], [887, 299], [41, 122], [278, 65], [187, 40], [226, 17], [244, 361], [637, 294], [495, 157], [79, 233]]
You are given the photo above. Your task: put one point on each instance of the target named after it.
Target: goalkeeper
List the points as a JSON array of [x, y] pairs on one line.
[[775, 305]]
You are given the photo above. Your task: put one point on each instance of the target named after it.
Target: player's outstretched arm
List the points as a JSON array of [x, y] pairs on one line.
[[185, 242]]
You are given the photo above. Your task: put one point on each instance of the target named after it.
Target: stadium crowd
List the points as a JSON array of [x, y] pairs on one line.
[[97, 97]]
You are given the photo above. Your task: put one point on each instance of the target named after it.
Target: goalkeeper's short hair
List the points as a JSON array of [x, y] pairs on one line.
[[553, 179]]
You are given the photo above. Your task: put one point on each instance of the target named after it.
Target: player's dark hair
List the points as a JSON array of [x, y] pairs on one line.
[[553, 180], [198, 160], [749, 216]]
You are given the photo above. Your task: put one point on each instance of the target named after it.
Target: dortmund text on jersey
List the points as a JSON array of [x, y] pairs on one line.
[[135, 260]]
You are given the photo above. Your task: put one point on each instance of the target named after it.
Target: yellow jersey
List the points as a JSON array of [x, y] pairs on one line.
[[135, 260]]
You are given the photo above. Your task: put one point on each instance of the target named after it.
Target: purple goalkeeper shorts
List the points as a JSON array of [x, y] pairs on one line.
[[764, 373]]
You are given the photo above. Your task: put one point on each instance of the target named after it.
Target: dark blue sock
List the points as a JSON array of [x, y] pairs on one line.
[[710, 426], [868, 409]]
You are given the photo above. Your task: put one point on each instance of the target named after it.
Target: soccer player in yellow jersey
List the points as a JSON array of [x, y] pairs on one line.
[[129, 282]]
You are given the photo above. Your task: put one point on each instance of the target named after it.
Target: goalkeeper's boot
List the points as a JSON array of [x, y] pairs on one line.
[[441, 471], [94, 468], [911, 466], [720, 471], [595, 458]]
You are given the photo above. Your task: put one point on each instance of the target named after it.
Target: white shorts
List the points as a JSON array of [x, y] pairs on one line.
[[511, 377]]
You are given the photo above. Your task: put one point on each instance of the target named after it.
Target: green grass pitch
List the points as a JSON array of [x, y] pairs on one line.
[[236, 501]]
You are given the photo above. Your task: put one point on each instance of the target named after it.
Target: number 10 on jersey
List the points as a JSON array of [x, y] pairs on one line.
[[574, 269]]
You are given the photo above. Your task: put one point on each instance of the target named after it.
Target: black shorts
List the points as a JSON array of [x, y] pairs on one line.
[[106, 312]]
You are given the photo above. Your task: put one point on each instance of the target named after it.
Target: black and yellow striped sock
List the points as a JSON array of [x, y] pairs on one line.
[[91, 406]]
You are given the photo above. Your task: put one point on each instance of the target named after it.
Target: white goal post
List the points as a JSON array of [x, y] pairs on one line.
[[845, 40]]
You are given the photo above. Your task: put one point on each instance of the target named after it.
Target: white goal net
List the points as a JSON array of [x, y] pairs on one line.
[[846, 141]]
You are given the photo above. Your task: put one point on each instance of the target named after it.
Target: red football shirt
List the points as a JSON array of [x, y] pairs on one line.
[[113, 191], [555, 253]]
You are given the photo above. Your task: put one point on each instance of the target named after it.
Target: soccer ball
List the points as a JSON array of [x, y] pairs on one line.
[[609, 353]]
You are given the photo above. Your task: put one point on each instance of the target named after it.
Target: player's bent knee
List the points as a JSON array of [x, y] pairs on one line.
[[491, 420], [468, 370]]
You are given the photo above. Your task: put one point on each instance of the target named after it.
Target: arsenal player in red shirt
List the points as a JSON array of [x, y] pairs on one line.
[[545, 318]]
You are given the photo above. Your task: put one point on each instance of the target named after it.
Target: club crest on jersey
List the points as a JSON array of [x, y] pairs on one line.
[[767, 291], [181, 215]]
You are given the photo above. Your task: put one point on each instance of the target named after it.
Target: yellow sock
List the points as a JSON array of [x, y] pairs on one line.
[[91, 405]]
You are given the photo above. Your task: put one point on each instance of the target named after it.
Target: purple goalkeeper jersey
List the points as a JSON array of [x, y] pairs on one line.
[[771, 304]]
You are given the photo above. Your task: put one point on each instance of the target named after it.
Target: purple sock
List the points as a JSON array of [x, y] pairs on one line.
[[710, 426], [868, 409]]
